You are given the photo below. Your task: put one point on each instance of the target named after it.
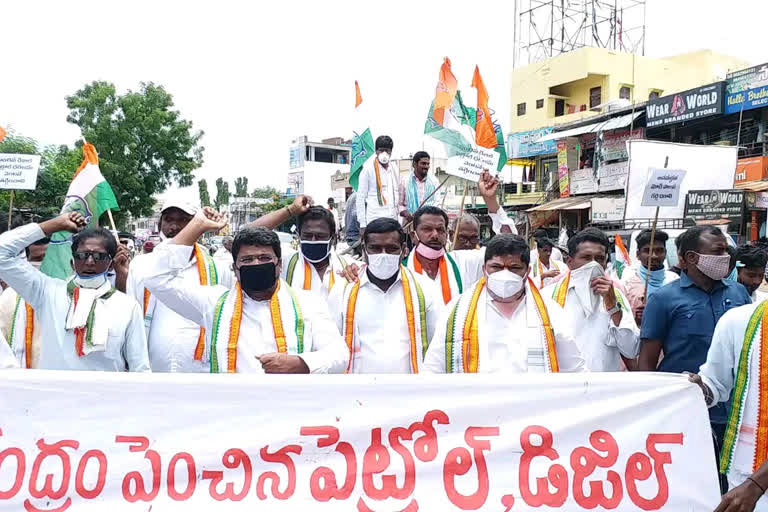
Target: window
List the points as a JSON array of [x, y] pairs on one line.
[[595, 96], [521, 109], [654, 95], [540, 103], [624, 93], [559, 108]]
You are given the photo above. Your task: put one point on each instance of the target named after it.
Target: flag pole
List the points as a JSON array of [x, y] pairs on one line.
[[461, 213], [650, 248], [10, 210]]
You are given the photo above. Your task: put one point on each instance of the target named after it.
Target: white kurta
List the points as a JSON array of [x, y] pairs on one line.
[[719, 372], [171, 337], [553, 264], [7, 358], [368, 207], [601, 342], [381, 324], [319, 287], [325, 351], [126, 343], [507, 339], [7, 311]]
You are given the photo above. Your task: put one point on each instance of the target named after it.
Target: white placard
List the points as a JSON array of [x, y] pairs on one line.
[[18, 172], [471, 166], [189, 442], [608, 209], [663, 187], [709, 168]]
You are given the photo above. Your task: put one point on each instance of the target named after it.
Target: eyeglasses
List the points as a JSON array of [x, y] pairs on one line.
[[250, 260], [97, 256]]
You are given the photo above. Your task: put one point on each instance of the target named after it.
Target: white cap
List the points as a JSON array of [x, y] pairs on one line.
[[184, 206]]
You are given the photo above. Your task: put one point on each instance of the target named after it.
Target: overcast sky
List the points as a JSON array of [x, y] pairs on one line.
[[254, 75]]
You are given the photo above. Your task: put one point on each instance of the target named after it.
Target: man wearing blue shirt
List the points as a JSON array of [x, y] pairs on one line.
[[680, 317]]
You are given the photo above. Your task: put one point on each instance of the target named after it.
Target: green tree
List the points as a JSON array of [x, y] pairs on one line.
[[205, 198], [144, 144], [57, 166], [267, 192], [241, 187], [222, 193]]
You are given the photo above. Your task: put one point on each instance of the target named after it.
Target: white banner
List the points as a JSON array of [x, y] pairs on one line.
[[709, 168], [18, 172], [161, 442], [471, 166]]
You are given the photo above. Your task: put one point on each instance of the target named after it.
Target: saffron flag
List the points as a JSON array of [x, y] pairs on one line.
[[362, 142], [89, 194], [622, 256], [485, 135], [3, 133]]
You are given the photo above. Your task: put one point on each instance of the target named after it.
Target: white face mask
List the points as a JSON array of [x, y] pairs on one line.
[[383, 158], [91, 282], [504, 284], [383, 266], [581, 278]]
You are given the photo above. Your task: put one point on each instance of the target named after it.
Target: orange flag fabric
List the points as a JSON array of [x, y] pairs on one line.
[[445, 91], [485, 136], [3, 133]]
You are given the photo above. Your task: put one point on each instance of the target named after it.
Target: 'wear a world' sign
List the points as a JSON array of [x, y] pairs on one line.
[[686, 106]]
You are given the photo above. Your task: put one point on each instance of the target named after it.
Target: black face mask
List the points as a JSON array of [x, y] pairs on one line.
[[315, 251], [258, 278]]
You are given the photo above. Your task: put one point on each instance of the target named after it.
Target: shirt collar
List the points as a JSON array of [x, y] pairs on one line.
[[686, 282], [365, 280]]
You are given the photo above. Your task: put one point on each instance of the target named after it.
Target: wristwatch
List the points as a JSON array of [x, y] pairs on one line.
[[614, 309]]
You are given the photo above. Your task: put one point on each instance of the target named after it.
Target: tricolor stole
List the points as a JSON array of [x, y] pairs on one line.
[[284, 309], [741, 386], [415, 315], [29, 329], [84, 335], [206, 270], [307, 282], [445, 276], [462, 344], [561, 292], [379, 196]]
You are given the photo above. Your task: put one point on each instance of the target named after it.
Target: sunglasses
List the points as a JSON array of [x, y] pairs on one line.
[[97, 256]]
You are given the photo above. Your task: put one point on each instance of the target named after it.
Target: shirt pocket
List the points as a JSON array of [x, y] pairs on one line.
[[114, 350], [695, 325]]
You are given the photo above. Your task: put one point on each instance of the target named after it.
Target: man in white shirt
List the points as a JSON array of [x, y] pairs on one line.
[[503, 324], [541, 234], [7, 359], [456, 271], [545, 269], [315, 267], [85, 324], [377, 185], [388, 316], [750, 267], [175, 343], [223, 255], [597, 312], [258, 325], [15, 313], [734, 366]]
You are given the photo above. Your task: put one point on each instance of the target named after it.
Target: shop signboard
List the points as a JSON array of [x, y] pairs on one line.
[[746, 89], [562, 167], [686, 106], [525, 144], [761, 200], [714, 204], [751, 169], [608, 209], [582, 181], [614, 144], [612, 176]]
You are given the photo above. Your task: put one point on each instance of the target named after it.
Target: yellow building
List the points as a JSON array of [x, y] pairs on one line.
[[584, 82]]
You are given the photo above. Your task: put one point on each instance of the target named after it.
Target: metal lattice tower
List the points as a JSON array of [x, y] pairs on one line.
[[547, 28]]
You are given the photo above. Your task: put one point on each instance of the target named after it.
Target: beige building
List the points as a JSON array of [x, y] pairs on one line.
[[589, 81]]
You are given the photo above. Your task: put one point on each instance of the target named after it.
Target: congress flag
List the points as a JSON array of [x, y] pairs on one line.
[[622, 256], [89, 194], [362, 141]]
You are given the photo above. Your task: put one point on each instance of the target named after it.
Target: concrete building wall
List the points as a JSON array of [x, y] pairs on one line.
[[573, 74]]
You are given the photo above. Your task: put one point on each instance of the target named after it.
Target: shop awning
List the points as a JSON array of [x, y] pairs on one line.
[[753, 186], [611, 124], [565, 203]]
